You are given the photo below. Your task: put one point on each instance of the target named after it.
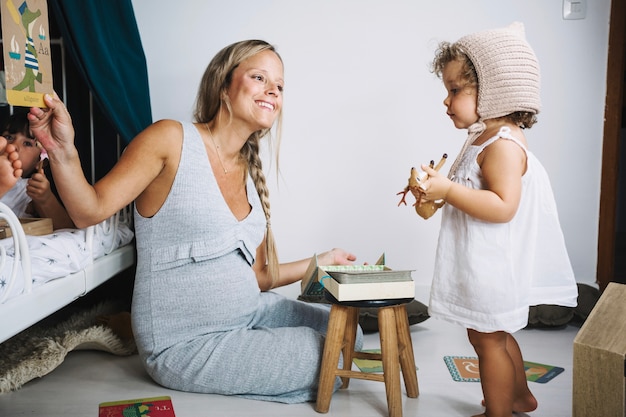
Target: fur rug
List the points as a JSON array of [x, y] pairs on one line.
[[38, 350]]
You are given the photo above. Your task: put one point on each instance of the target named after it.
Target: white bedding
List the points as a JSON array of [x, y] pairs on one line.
[[52, 271], [59, 254]]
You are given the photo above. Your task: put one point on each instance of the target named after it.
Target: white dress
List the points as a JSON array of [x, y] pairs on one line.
[[17, 199], [488, 274]]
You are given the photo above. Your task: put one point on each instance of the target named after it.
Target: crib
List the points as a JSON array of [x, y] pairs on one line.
[[39, 275]]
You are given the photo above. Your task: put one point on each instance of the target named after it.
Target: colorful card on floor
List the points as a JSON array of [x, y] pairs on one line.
[[538, 372], [465, 369], [148, 407], [369, 365]]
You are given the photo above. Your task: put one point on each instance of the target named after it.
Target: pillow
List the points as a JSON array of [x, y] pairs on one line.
[[549, 316], [368, 317], [587, 298]]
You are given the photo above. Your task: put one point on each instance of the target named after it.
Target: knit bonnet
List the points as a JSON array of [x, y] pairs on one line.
[[507, 70]]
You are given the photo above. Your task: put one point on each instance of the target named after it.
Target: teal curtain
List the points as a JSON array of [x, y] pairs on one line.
[[103, 39]]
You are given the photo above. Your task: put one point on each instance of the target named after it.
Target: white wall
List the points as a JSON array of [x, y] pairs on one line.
[[361, 108]]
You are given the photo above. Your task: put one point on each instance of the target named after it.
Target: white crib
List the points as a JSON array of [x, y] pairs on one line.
[[35, 283]]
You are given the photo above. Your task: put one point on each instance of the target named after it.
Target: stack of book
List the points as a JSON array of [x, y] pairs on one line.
[[358, 282]]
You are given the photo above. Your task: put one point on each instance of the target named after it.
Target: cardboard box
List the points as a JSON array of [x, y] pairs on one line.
[[31, 226], [600, 358]]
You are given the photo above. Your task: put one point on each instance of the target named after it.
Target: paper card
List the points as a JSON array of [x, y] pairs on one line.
[[148, 407], [369, 365], [538, 372], [464, 368], [26, 52]]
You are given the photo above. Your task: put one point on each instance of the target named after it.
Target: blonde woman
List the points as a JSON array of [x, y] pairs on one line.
[[202, 313]]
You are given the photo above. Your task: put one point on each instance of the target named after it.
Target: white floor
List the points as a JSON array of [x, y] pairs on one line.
[[87, 378]]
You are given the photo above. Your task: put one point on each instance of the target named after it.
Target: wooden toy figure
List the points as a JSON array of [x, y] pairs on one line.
[[425, 208]]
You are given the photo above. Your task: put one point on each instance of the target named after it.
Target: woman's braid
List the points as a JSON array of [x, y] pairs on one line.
[[250, 153]]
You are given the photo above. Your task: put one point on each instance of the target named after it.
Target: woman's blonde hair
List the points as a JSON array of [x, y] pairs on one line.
[[212, 96]]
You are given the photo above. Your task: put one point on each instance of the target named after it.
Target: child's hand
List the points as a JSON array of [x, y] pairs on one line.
[[436, 187], [38, 188]]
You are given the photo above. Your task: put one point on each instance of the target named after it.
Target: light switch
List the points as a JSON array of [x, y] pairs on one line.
[[574, 9]]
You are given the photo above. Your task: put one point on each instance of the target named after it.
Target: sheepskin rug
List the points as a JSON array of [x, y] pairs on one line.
[[39, 349]]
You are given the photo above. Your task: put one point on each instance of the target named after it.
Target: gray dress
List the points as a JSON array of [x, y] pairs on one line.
[[200, 321]]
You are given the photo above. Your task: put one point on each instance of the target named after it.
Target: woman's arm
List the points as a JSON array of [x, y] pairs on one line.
[[141, 163], [294, 271]]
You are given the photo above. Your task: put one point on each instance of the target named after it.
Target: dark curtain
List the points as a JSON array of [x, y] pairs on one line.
[[103, 39]]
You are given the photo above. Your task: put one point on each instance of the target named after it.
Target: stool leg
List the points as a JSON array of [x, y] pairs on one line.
[[349, 339], [330, 357], [407, 358], [391, 367]]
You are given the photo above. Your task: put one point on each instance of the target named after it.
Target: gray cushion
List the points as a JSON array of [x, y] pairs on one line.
[[549, 316], [368, 317]]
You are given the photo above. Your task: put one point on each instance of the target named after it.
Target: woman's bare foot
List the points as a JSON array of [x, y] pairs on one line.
[[120, 323], [10, 166]]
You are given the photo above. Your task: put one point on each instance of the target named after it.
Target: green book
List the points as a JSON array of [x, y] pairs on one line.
[[372, 276]]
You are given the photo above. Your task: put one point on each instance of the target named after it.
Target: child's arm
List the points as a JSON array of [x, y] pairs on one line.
[[45, 202], [502, 163]]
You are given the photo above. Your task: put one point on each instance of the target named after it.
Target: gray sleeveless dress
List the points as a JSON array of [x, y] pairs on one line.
[[200, 321]]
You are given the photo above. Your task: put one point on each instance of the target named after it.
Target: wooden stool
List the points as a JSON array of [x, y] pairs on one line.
[[396, 351]]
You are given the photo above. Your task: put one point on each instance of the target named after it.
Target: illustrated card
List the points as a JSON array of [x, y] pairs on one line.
[[147, 407], [464, 368], [26, 51]]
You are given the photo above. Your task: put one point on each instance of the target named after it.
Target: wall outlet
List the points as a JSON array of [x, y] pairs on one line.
[[574, 9]]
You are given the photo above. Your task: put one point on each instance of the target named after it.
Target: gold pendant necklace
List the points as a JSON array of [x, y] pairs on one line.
[[217, 148]]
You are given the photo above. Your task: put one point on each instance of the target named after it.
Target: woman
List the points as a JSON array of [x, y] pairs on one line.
[[203, 317]]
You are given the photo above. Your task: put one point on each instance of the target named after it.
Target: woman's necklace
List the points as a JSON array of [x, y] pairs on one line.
[[217, 148]]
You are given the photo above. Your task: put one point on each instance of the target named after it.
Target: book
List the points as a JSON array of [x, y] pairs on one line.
[[148, 407], [368, 290], [310, 285], [465, 369], [26, 52], [357, 277], [357, 282]]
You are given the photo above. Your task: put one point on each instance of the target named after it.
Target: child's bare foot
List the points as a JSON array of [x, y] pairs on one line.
[[520, 405], [525, 404], [10, 166]]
